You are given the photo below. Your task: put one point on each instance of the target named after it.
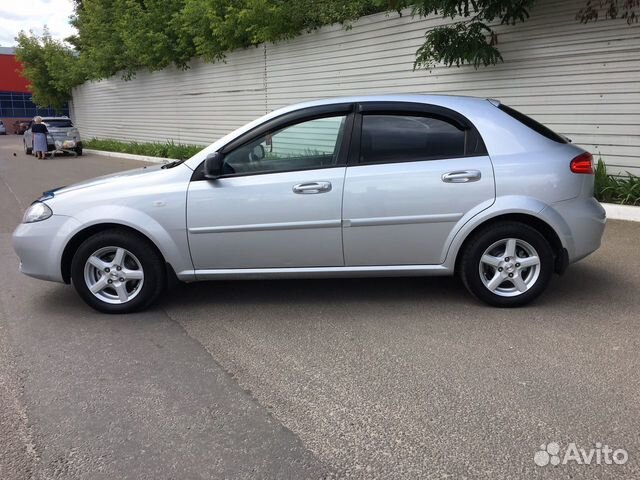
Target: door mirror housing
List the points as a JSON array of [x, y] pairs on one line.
[[213, 165]]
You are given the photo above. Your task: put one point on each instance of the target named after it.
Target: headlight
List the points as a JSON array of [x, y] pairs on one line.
[[37, 212]]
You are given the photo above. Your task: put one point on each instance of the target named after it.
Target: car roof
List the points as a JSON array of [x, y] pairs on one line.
[[435, 99], [461, 104], [502, 134]]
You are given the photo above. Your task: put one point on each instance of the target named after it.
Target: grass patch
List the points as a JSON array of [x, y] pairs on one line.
[[176, 151], [615, 189]]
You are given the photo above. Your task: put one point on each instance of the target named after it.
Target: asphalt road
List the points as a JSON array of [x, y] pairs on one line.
[[364, 378]]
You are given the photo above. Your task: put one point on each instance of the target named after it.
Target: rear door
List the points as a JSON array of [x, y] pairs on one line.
[[418, 170]]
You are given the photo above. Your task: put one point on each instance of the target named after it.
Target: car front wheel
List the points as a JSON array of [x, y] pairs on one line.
[[507, 264], [116, 271]]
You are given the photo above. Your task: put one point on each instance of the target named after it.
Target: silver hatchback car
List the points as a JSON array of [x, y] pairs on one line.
[[63, 136], [362, 186]]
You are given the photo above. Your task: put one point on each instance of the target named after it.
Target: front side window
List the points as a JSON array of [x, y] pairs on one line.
[[306, 145], [406, 138]]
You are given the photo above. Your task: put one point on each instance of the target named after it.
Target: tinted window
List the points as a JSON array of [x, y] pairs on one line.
[[311, 144], [62, 123], [404, 138], [532, 124]]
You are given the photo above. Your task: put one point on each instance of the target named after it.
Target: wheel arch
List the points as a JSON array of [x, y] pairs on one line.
[[76, 240], [550, 234]]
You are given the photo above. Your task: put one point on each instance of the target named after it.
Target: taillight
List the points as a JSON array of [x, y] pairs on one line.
[[583, 163]]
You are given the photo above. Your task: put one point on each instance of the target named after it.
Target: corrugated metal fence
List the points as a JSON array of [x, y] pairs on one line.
[[581, 80]]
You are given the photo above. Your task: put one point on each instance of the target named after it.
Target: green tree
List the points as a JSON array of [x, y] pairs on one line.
[[211, 28], [50, 67], [471, 39], [124, 36], [594, 10]]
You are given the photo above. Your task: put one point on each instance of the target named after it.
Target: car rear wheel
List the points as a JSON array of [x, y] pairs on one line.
[[27, 150], [507, 264], [116, 271]]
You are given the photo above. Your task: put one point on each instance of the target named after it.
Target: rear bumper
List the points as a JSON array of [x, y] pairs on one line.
[[40, 245], [585, 220], [71, 144]]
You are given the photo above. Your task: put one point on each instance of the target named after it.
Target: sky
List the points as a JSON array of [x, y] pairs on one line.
[[16, 15]]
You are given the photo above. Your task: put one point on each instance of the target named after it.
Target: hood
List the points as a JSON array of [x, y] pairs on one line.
[[112, 178]]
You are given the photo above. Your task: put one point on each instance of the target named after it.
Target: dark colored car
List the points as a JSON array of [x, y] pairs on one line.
[[20, 126]]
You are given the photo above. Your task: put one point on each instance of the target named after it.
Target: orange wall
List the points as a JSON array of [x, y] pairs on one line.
[[10, 79]]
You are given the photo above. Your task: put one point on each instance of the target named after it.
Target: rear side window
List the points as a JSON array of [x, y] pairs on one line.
[[532, 124], [405, 138]]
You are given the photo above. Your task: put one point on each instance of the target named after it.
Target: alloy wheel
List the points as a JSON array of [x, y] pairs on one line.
[[113, 275], [509, 267]]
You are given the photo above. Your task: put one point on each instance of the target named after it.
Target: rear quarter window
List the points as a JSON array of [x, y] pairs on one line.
[[532, 124]]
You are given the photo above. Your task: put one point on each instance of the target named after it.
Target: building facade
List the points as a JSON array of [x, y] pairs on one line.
[[581, 80], [15, 98]]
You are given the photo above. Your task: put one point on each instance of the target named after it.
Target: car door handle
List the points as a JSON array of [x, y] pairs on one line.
[[464, 176], [312, 187]]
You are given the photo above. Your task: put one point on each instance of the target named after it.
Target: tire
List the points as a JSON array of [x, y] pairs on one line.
[[79, 151], [500, 280], [27, 150], [138, 263]]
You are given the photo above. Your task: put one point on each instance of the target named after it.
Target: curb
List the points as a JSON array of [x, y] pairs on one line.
[[129, 156], [622, 212]]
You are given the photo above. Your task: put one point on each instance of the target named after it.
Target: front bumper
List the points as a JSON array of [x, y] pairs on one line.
[[40, 246]]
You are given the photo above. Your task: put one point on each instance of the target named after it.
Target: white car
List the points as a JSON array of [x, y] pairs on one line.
[[359, 186]]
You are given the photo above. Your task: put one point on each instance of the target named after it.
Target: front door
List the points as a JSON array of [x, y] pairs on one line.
[[416, 176], [279, 202]]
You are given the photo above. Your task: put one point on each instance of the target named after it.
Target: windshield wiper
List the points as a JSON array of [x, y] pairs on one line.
[[175, 163]]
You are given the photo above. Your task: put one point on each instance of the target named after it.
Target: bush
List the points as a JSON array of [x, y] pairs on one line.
[[616, 189], [176, 151]]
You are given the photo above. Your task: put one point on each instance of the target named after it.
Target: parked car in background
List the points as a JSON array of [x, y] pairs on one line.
[[20, 126], [400, 185], [3, 129], [62, 136]]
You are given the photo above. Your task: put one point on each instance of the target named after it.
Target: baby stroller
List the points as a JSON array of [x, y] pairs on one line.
[[60, 146]]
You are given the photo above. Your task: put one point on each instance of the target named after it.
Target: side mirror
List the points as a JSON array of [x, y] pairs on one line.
[[213, 165]]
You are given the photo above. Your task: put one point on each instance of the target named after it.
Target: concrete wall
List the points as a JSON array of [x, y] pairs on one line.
[[580, 80]]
